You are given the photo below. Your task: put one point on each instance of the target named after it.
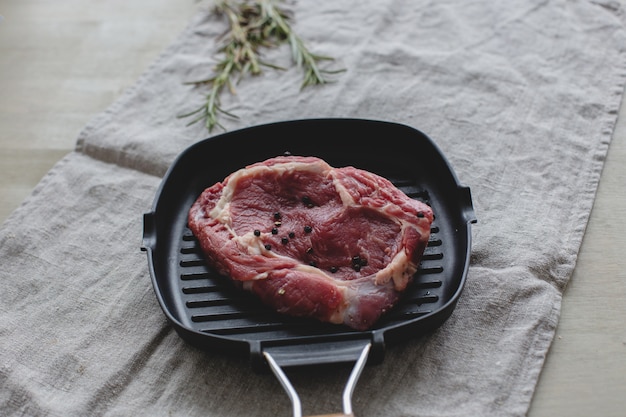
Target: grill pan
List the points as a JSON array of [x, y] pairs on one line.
[[209, 312]]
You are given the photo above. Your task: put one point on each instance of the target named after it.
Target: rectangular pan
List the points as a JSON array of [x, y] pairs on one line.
[[207, 311]]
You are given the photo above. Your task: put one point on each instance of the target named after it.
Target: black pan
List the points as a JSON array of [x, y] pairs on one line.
[[207, 311]]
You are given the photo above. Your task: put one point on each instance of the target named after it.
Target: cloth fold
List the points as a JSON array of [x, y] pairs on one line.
[[522, 97]]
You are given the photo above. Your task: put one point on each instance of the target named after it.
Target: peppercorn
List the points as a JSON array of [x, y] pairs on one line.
[[277, 216], [268, 247], [284, 241], [257, 232], [333, 269], [420, 214], [292, 235], [358, 262], [274, 231], [308, 229]]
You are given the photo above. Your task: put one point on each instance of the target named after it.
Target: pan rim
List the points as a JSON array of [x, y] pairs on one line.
[[378, 335]]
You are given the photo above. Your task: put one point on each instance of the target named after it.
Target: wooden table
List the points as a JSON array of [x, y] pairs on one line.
[[63, 62]]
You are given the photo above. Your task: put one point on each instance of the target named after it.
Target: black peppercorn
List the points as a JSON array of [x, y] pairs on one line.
[[357, 260], [268, 247], [284, 241], [274, 231], [257, 232], [292, 235], [308, 229]]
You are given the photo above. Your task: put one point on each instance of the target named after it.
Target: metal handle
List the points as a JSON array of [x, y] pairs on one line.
[[347, 391], [333, 415]]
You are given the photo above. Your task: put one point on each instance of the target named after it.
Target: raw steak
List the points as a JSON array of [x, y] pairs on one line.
[[336, 244]]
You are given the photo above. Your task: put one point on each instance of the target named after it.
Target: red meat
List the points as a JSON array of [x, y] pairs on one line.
[[336, 244]]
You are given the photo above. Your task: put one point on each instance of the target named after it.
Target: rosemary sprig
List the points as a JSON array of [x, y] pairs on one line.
[[300, 54], [252, 25]]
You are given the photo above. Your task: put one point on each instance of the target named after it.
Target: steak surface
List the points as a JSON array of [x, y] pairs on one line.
[[335, 244]]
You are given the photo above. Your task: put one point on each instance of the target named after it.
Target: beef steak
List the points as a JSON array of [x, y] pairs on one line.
[[336, 244]]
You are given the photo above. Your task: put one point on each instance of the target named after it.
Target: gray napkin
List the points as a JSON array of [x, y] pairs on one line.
[[522, 96]]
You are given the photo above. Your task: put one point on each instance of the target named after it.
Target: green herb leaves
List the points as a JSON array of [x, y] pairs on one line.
[[253, 25]]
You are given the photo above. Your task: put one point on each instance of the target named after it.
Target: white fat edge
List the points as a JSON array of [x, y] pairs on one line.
[[401, 268], [221, 210], [348, 200], [343, 286], [300, 268], [338, 316], [346, 197], [255, 246], [247, 285], [252, 243]]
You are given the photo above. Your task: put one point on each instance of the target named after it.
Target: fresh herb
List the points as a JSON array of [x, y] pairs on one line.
[[253, 25]]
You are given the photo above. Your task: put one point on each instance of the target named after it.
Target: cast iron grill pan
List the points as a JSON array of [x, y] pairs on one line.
[[205, 308]]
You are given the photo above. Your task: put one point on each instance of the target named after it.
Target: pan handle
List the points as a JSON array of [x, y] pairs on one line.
[[347, 391], [465, 203], [149, 232]]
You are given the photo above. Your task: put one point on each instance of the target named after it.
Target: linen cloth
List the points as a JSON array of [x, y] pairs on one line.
[[521, 96]]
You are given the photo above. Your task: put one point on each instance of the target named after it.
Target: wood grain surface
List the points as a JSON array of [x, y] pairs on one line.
[[63, 62]]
